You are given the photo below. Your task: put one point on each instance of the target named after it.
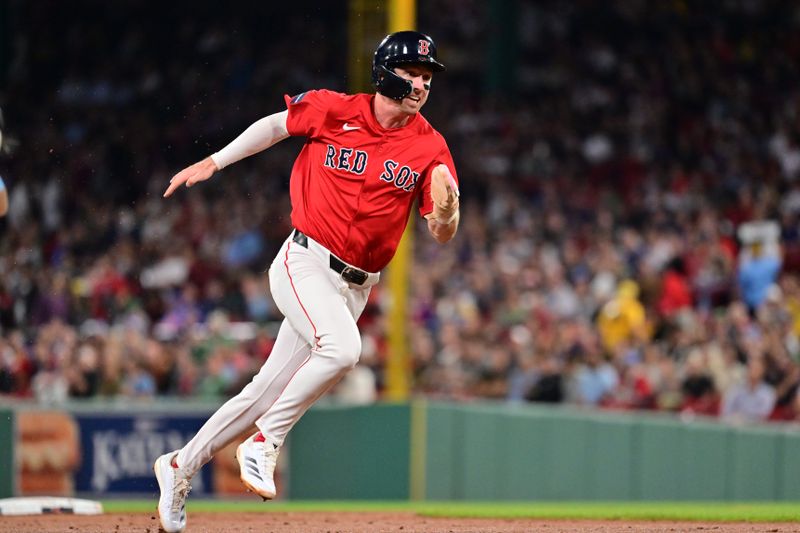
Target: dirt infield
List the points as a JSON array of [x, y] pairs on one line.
[[345, 522]]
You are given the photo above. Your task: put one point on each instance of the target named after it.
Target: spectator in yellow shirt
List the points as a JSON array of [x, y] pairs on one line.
[[622, 318]]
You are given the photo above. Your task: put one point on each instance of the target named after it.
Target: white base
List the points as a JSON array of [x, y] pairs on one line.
[[48, 505]]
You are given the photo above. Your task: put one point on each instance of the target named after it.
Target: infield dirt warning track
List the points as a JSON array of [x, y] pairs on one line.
[[359, 522]]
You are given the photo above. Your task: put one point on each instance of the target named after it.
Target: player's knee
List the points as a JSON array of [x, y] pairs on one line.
[[349, 350], [343, 348]]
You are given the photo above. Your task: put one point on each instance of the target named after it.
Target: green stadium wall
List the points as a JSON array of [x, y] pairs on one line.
[[440, 451], [358, 453], [7, 472]]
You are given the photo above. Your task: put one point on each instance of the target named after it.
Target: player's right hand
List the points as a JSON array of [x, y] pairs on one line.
[[200, 171]]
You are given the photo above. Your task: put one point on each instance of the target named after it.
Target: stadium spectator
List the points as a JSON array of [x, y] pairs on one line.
[[622, 319], [700, 394], [751, 400], [758, 271], [675, 290], [594, 380]]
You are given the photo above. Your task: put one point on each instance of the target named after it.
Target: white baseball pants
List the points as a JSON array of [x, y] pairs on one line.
[[318, 343]]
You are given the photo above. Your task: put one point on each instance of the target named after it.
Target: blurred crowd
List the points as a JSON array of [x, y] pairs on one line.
[[631, 197]]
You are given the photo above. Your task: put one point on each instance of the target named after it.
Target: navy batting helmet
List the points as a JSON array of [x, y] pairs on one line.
[[401, 48]]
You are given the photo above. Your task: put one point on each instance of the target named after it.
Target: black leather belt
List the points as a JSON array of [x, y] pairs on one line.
[[348, 273]]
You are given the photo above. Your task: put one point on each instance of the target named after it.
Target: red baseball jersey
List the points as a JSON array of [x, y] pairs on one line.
[[354, 182]]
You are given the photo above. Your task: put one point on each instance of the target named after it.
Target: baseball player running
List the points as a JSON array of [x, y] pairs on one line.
[[367, 158]]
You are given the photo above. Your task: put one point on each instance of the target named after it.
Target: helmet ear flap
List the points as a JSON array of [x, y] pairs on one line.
[[390, 84]]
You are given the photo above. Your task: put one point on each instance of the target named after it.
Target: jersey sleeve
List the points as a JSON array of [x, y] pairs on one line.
[[425, 202], [307, 112]]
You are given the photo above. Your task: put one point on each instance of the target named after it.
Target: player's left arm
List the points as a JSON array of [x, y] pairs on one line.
[[443, 231], [443, 220]]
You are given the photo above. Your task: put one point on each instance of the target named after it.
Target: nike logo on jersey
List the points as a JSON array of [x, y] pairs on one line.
[[348, 127]]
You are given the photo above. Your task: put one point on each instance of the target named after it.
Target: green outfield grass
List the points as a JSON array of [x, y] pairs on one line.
[[710, 511]]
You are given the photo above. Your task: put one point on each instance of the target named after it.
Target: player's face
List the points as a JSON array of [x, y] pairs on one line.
[[420, 77]]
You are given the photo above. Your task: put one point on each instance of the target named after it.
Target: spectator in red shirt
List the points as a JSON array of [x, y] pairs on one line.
[[676, 294]]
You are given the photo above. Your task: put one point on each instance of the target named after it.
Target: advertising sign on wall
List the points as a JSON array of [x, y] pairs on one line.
[[93, 452], [119, 451]]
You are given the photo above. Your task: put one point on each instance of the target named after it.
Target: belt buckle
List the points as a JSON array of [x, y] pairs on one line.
[[353, 275]]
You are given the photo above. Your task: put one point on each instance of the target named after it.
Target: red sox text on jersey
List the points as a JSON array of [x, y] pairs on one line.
[[354, 182], [355, 161]]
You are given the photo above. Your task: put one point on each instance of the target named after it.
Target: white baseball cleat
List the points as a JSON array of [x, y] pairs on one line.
[[174, 489], [257, 459]]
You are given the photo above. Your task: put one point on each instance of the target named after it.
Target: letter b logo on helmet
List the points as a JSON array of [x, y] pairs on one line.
[[424, 47], [401, 48]]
